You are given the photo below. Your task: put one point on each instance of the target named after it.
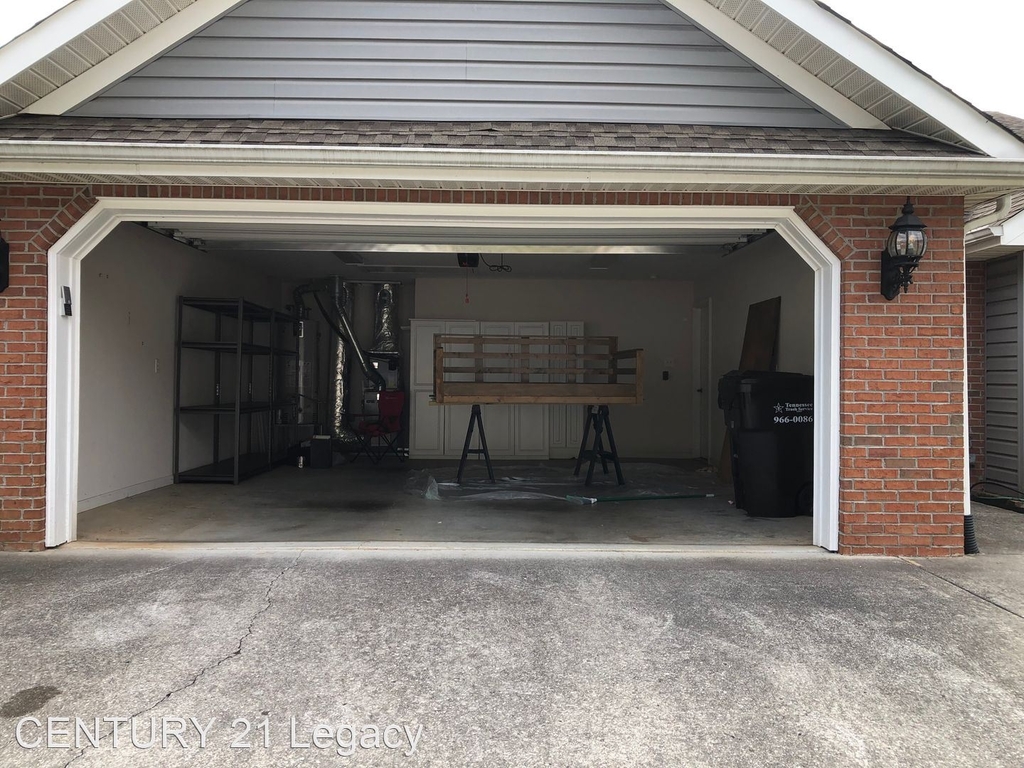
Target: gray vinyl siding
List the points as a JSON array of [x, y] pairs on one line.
[[428, 60], [1003, 371]]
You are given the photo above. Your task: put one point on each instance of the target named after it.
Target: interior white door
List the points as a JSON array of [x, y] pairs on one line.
[[702, 384]]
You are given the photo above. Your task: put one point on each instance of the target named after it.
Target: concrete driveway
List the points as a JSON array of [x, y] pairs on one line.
[[529, 659]]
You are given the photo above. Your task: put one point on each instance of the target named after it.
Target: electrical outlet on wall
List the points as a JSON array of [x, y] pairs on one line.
[[156, 365]]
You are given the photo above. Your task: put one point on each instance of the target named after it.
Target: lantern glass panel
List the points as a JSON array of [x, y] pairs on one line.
[[907, 243]]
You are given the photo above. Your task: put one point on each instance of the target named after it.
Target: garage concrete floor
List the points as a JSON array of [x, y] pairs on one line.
[[360, 502]]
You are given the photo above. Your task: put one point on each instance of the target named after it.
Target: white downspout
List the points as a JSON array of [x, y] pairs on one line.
[[1001, 213]]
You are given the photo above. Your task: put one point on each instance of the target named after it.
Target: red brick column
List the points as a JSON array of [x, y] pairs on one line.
[[31, 220], [976, 365], [901, 434], [901, 377]]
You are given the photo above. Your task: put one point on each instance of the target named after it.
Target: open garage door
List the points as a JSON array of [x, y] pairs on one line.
[[558, 274]]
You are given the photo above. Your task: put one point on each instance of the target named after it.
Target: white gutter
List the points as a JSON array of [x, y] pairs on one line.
[[490, 166], [996, 239], [1001, 213], [984, 243]]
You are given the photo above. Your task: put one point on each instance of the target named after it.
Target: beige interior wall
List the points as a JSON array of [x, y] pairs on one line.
[[766, 269], [130, 285], [650, 314]]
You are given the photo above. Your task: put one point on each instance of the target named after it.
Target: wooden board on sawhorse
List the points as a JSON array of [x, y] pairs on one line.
[[475, 418], [597, 418]]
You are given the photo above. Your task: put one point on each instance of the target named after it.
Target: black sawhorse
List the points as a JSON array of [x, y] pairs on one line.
[[475, 418], [597, 417]]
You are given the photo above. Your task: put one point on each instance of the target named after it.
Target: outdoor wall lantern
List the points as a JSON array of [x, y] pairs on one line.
[[904, 249]]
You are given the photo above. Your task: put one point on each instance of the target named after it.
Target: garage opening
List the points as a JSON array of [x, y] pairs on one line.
[[163, 394]]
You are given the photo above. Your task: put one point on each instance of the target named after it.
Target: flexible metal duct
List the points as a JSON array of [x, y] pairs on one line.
[[385, 322], [303, 382], [336, 312], [339, 297]]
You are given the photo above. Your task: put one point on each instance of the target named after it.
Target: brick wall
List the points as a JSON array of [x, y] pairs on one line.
[[901, 433], [31, 220], [976, 365], [901, 483]]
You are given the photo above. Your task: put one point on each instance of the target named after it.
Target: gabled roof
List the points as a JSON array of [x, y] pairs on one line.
[[90, 44]]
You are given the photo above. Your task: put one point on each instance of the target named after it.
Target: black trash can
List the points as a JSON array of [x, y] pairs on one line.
[[770, 420]]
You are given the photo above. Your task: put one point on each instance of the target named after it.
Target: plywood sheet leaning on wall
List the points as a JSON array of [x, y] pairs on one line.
[[760, 353]]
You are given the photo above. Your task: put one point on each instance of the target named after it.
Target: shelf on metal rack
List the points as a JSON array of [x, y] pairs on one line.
[[227, 346], [247, 407], [249, 464], [229, 308]]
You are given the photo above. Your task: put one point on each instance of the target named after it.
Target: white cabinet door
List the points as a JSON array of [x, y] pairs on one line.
[[502, 328], [421, 336], [531, 421], [460, 328], [498, 426], [575, 415], [499, 420], [426, 426], [565, 421], [557, 413]]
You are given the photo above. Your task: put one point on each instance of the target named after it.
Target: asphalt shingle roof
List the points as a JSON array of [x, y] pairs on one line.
[[595, 137], [1014, 125]]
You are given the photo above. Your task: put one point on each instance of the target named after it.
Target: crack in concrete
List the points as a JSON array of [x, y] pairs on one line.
[[961, 587], [209, 667]]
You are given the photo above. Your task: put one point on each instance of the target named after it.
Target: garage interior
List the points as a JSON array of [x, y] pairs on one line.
[[682, 299]]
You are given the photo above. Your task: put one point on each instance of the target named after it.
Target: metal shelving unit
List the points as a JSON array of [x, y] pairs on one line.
[[245, 335]]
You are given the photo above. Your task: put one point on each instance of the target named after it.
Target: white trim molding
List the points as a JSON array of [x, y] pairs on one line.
[[53, 32], [112, 162], [110, 497], [776, 65], [996, 240], [899, 76], [464, 223], [131, 58]]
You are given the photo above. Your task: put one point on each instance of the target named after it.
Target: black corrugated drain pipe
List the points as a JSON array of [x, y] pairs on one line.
[[970, 539]]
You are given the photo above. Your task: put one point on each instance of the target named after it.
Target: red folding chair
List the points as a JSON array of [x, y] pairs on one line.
[[380, 436]]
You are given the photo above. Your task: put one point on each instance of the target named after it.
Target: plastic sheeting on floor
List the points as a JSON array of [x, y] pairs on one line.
[[544, 481]]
